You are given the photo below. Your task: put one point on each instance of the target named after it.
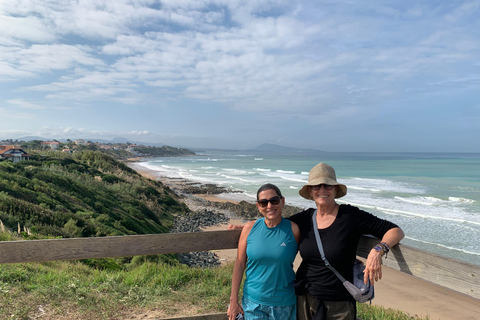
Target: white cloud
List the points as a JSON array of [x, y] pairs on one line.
[[339, 59], [24, 104]]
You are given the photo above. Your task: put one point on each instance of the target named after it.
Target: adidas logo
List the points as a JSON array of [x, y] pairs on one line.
[[283, 244]]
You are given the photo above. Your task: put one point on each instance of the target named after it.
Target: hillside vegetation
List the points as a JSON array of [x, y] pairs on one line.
[[81, 195]]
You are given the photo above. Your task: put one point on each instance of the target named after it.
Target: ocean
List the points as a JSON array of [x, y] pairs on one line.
[[433, 197]]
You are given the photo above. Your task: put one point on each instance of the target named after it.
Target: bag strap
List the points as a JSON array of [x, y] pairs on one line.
[[320, 247]]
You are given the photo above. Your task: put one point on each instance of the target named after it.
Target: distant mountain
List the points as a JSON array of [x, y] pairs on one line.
[[30, 138], [268, 147]]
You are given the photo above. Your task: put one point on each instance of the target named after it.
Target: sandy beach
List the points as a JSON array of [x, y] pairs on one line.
[[396, 290]]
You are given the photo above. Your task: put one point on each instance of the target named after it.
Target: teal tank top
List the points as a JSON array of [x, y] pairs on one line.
[[269, 276]]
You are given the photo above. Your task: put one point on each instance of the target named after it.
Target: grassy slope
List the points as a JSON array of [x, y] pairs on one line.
[[87, 194]]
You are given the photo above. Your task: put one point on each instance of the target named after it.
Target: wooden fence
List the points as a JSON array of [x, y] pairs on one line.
[[459, 276]]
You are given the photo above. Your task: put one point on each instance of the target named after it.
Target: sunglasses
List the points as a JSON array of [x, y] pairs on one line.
[[274, 201], [326, 186]]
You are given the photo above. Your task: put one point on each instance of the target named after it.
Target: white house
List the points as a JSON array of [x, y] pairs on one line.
[[52, 144], [13, 153]]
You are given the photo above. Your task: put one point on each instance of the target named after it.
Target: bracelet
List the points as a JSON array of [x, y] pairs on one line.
[[385, 247]]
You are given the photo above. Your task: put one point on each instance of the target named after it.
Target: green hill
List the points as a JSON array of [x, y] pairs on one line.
[[81, 195]]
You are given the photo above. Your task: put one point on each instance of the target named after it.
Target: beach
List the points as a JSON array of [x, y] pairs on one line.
[[396, 290]]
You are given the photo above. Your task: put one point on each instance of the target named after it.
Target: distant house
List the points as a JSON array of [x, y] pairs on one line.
[[67, 150], [80, 142], [131, 148], [13, 153], [52, 144]]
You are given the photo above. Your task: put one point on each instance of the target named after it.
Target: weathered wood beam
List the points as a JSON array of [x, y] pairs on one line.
[[122, 246]]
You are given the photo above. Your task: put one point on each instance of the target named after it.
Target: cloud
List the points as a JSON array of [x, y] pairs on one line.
[[11, 114], [25, 104], [320, 62]]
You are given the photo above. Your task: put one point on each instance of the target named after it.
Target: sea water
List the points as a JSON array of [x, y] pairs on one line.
[[433, 197]]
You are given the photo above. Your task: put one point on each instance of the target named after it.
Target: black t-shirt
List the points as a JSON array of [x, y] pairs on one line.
[[340, 241]]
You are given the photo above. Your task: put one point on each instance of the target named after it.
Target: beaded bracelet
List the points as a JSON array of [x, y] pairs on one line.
[[385, 247]]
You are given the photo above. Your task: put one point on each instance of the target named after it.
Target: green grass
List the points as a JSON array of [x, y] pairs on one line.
[[74, 290]]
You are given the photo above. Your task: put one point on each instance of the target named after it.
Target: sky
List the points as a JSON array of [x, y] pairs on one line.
[[343, 75]]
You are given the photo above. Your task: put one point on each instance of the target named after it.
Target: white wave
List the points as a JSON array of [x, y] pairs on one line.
[[305, 173], [283, 176], [265, 170], [235, 178], [284, 171], [432, 201], [258, 159], [363, 189], [379, 185], [236, 171], [411, 214], [462, 200], [293, 187], [426, 201], [424, 216], [443, 246]]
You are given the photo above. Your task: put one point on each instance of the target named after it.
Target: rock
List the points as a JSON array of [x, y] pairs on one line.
[[192, 222]]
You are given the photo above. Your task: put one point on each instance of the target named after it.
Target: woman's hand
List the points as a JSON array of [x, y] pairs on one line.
[[234, 308], [373, 267]]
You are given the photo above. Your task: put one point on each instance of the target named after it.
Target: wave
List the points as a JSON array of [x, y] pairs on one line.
[[443, 246], [284, 171], [426, 201], [236, 171], [235, 178], [462, 200], [380, 185], [363, 189], [283, 177], [260, 169], [412, 214], [258, 159], [432, 201]]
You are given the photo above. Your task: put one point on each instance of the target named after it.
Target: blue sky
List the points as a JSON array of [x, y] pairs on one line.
[[331, 75]]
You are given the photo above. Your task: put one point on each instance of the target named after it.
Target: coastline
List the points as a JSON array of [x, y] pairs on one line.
[[396, 291]]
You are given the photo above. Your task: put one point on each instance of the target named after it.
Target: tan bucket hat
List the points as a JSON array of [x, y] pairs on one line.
[[322, 173]]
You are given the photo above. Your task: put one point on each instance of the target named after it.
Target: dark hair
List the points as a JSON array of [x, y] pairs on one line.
[[269, 186]]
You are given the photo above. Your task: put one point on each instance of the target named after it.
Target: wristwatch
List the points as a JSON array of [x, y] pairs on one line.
[[379, 248]]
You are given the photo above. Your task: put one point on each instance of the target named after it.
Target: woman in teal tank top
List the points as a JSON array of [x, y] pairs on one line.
[[266, 250]]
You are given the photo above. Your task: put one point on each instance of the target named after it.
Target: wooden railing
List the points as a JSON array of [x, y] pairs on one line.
[[459, 276]]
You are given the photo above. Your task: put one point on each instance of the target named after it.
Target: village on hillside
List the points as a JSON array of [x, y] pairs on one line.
[[16, 151]]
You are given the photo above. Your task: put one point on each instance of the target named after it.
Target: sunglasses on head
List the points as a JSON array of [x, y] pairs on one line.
[[264, 202], [326, 186]]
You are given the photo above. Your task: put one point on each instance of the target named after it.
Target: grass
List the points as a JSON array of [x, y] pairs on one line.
[[74, 290]]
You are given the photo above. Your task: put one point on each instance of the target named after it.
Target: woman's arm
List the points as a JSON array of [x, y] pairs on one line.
[[295, 231], [240, 263], [373, 266]]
